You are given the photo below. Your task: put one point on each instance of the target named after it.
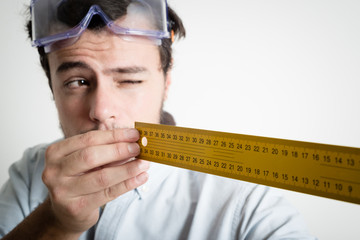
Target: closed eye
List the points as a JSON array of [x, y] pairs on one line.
[[130, 82]]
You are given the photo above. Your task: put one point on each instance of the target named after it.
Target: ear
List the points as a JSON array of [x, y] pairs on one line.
[[167, 84]]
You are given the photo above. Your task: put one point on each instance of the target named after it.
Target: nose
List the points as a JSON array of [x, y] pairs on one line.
[[103, 107]]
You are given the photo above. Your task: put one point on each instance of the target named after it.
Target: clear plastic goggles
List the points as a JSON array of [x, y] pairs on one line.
[[59, 23]]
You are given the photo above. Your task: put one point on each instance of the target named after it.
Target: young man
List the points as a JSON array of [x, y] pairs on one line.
[[106, 73]]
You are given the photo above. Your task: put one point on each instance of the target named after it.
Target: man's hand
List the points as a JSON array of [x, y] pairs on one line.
[[85, 172]]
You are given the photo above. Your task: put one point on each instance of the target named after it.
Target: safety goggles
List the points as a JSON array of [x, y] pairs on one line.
[[59, 23]]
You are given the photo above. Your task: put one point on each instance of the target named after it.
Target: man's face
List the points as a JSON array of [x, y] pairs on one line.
[[103, 82]]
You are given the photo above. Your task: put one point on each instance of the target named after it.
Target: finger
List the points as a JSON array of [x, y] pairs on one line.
[[104, 196], [104, 178], [92, 138], [93, 157]]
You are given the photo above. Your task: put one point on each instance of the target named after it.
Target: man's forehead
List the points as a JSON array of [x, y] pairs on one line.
[[105, 40], [106, 51], [99, 38]]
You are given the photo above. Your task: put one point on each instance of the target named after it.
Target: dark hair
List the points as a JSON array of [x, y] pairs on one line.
[[72, 12]]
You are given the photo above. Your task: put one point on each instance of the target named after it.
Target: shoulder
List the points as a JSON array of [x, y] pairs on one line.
[[32, 159], [24, 190], [26, 175]]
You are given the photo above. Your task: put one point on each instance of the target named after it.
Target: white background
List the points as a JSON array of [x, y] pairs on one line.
[[276, 68]]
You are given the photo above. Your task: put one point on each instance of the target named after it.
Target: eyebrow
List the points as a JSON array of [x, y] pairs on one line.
[[127, 70], [66, 66]]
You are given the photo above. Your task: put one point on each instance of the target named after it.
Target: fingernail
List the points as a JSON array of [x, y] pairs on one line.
[[142, 177], [133, 148], [132, 133]]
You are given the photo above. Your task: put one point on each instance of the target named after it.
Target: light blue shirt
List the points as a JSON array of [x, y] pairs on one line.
[[174, 204]]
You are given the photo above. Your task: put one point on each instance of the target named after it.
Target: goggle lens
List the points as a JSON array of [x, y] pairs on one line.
[[59, 20]]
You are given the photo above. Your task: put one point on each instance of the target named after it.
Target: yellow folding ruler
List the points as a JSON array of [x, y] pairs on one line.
[[317, 169]]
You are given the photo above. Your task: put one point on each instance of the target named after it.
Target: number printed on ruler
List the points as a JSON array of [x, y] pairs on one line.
[[317, 169]]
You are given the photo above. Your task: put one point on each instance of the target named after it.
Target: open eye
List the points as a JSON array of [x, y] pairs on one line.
[[74, 84]]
